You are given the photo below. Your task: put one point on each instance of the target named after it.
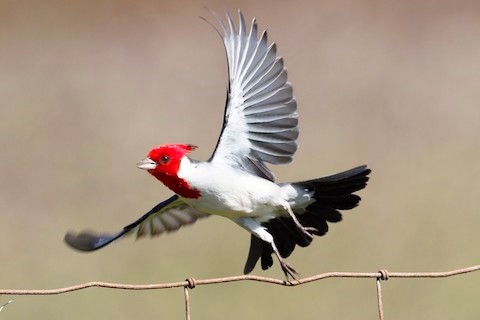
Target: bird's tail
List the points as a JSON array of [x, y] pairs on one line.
[[331, 194]]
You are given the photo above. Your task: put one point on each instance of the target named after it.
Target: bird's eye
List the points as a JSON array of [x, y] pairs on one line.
[[164, 159]]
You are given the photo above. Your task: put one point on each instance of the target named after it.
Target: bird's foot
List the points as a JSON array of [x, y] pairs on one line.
[[307, 231], [290, 273], [310, 230]]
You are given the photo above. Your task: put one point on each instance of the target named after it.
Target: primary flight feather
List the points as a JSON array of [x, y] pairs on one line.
[[260, 125]]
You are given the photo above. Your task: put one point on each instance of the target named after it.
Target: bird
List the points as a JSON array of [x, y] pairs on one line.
[[260, 127]]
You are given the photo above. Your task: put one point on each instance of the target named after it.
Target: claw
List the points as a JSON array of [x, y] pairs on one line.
[[289, 271], [310, 229]]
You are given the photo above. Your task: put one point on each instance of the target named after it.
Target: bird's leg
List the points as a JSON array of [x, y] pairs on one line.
[[286, 268], [306, 230], [261, 232]]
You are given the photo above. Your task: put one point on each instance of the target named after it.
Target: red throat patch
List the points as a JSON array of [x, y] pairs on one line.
[[168, 158], [178, 185]]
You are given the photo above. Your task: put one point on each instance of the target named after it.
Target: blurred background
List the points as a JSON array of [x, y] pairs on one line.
[[88, 87]]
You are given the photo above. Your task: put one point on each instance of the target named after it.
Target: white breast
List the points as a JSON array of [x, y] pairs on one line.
[[231, 192]]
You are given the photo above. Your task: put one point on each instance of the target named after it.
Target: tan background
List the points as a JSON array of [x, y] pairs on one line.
[[88, 87]]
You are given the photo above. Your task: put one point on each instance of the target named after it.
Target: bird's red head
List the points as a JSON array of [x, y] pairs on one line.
[[163, 163]]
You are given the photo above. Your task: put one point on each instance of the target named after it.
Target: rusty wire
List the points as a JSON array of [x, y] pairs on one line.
[[191, 283]]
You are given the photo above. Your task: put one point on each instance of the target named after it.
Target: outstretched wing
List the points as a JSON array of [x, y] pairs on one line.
[[169, 215], [260, 122]]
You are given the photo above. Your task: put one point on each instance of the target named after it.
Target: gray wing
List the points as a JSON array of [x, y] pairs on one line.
[[261, 122], [170, 217], [167, 216]]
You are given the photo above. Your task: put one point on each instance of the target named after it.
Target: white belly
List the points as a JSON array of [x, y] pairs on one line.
[[227, 192]]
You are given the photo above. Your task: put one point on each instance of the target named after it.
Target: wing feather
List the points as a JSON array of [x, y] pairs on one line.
[[167, 216], [260, 122]]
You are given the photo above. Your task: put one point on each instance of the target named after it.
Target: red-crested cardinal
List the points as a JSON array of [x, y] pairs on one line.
[[260, 125]]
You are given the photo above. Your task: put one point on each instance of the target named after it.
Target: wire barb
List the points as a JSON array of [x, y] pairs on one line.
[[383, 275], [191, 283]]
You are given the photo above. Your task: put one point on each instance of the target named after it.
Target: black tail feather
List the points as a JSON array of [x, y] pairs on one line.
[[267, 260], [327, 213], [331, 194], [286, 238]]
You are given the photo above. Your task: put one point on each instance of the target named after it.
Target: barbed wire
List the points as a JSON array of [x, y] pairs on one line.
[[191, 283]]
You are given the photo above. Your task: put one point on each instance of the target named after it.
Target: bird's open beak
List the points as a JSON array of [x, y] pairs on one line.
[[147, 164]]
